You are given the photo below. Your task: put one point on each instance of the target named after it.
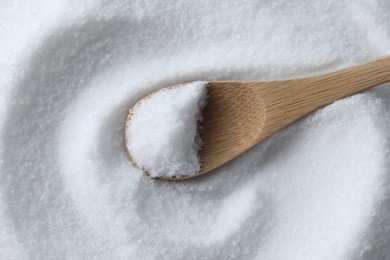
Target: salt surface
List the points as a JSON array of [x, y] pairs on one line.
[[70, 70], [162, 133]]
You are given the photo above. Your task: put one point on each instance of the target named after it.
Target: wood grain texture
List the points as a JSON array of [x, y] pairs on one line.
[[233, 117], [238, 115]]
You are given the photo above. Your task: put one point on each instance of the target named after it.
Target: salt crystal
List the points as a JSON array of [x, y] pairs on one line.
[[318, 189], [162, 132]]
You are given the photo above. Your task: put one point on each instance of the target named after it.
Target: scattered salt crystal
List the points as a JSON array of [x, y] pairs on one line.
[[162, 132]]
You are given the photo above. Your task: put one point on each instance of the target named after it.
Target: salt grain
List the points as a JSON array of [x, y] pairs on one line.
[[162, 133], [70, 71]]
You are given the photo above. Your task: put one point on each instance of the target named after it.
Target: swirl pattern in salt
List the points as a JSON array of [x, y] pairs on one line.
[[316, 190]]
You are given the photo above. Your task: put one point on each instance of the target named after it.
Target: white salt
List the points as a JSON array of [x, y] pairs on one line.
[[70, 71], [162, 133]]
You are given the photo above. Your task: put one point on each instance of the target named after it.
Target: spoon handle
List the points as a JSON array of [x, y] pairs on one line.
[[291, 99]]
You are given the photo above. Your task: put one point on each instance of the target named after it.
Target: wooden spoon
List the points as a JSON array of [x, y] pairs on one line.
[[239, 114]]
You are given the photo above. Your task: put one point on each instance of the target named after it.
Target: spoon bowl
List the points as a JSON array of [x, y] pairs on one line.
[[229, 128]]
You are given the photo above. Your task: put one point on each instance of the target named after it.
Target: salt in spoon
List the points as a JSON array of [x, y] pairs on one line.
[[240, 114]]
